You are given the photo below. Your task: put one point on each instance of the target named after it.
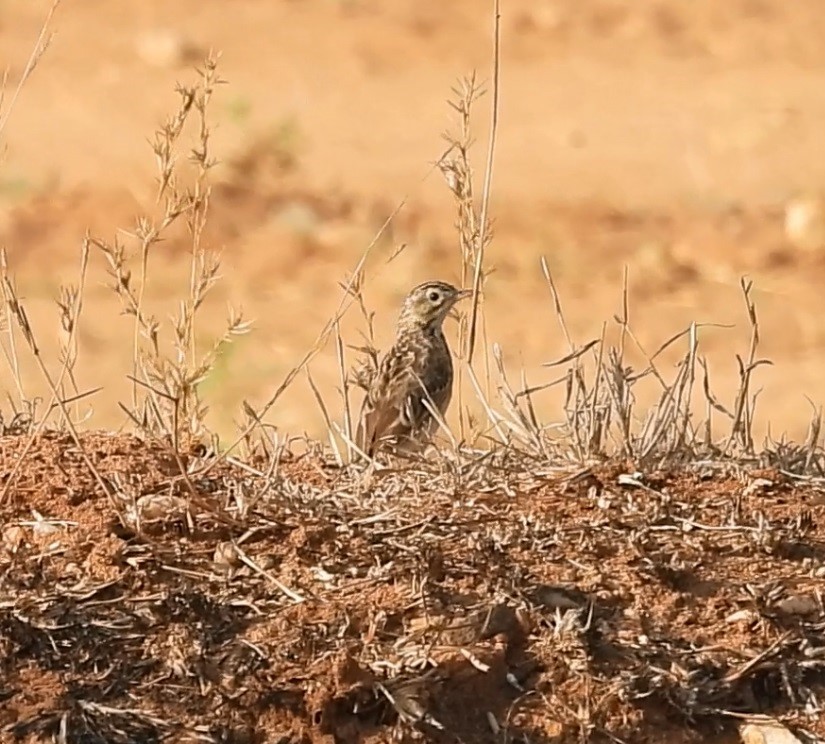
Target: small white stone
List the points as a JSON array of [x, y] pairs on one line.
[[769, 732], [162, 47], [12, 538], [741, 616], [805, 223]]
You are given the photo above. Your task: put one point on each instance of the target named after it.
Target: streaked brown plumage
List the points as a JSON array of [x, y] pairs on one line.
[[418, 367]]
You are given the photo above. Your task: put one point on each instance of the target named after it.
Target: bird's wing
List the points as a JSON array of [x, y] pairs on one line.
[[386, 407], [395, 405], [374, 423]]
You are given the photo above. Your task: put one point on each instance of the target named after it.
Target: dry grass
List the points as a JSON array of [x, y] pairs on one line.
[[501, 598], [607, 576]]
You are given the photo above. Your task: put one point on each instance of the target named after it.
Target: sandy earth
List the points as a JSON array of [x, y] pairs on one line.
[[665, 138], [304, 604]]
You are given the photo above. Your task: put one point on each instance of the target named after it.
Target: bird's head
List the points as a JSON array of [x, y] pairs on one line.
[[427, 305]]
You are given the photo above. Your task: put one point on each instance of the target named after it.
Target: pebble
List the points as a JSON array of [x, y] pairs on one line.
[[163, 47], [805, 223], [770, 732]]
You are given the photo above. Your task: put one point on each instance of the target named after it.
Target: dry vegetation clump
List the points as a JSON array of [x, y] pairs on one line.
[[613, 576], [493, 598]]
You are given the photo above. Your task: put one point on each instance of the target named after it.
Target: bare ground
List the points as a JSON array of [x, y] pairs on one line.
[[663, 137], [495, 601]]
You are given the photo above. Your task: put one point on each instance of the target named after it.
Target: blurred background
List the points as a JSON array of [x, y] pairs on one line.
[[683, 140]]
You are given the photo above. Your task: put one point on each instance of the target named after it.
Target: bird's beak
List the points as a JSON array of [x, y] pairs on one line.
[[460, 295]]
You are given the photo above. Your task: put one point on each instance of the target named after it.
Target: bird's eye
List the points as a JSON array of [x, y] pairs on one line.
[[434, 295]]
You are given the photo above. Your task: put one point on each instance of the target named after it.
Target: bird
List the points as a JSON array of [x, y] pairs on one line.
[[414, 373]]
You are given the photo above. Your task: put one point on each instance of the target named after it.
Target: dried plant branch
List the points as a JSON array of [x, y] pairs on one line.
[[174, 366], [488, 176], [37, 52], [18, 312], [741, 428]]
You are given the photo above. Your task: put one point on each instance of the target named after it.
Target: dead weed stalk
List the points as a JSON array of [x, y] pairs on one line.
[[167, 371], [16, 311], [39, 48]]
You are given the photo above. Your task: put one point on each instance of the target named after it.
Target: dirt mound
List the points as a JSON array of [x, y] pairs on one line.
[[471, 601]]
